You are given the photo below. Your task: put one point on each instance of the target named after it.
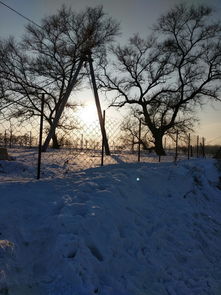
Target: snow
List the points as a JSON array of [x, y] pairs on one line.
[[59, 163], [125, 229]]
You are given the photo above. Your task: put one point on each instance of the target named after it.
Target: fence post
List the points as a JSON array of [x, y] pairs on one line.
[[203, 147], [10, 139], [176, 152], [188, 150], [5, 138], [40, 137], [197, 146], [103, 140], [82, 141], [139, 139], [30, 139]]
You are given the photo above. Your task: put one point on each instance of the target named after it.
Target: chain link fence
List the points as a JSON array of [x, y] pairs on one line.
[[77, 145]]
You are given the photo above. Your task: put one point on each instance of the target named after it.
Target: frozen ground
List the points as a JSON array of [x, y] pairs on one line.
[[126, 229]]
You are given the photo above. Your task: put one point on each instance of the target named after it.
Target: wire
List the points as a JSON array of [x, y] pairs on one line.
[[20, 14], [211, 140]]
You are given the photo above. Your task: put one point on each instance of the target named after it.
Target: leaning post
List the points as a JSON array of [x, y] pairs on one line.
[[97, 101]]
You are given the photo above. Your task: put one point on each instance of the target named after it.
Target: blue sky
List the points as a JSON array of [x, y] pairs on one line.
[[134, 16]]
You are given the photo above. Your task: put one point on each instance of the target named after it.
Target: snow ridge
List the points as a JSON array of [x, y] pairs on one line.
[[127, 229]]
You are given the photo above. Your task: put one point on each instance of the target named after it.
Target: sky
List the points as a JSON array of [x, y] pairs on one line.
[[133, 15]]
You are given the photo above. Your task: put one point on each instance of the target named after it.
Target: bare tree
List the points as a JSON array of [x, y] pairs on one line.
[[130, 133], [47, 57], [167, 77]]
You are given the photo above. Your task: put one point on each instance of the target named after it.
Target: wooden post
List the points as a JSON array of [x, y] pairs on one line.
[[62, 105], [97, 101], [5, 138], [197, 146], [10, 138], [30, 139], [188, 148], [139, 140], [40, 138], [82, 141], [203, 147], [103, 144], [191, 150], [176, 152]]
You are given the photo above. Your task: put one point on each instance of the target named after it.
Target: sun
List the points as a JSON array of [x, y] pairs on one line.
[[88, 114]]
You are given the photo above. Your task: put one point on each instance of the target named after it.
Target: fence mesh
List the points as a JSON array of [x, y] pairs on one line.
[[78, 145]]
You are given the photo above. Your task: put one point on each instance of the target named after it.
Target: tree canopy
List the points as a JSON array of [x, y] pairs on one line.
[[46, 58]]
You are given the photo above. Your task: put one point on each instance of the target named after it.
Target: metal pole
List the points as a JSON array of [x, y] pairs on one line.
[[176, 154], [82, 141], [62, 105], [197, 146], [30, 139], [5, 139], [10, 139], [40, 138], [97, 101], [189, 146], [203, 147], [139, 139], [102, 150]]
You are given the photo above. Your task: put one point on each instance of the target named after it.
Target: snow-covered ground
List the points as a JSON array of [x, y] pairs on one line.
[[125, 229], [58, 163]]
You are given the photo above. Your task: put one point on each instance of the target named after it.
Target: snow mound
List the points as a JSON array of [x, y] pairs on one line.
[[128, 229]]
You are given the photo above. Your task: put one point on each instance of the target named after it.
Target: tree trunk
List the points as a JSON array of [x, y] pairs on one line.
[[55, 144], [159, 144], [156, 133]]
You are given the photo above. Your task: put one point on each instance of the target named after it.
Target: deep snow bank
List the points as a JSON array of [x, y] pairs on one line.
[[130, 229]]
